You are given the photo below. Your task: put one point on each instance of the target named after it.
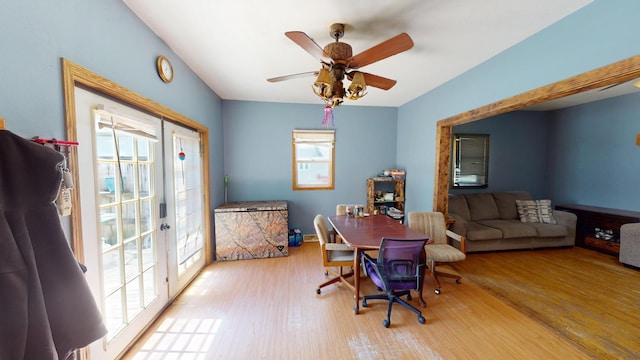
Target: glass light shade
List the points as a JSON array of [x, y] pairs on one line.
[[357, 88], [322, 86]]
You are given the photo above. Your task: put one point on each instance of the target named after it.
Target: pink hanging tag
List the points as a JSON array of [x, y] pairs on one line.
[[327, 119]]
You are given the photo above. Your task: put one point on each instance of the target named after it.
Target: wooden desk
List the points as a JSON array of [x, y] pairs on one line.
[[365, 233]]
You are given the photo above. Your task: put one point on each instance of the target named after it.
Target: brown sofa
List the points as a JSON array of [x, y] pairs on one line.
[[490, 221]]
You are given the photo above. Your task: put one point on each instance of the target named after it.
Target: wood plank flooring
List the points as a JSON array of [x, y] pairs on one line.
[[586, 296], [269, 309]]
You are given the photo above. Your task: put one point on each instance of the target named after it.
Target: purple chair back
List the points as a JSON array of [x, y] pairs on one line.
[[400, 265]]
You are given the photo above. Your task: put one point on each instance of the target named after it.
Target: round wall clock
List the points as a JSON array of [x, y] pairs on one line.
[[165, 70]]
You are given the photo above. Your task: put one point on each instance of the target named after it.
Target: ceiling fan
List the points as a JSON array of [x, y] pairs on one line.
[[337, 62]]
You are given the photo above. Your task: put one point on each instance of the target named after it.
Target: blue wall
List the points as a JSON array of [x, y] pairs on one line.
[[595, 158], [584, 154], [596, 35], [517, 151], [106, 38], [257, 154], [254, 150]]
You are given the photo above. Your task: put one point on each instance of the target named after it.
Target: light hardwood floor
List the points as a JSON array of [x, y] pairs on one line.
[[584, 295], [269, 309]]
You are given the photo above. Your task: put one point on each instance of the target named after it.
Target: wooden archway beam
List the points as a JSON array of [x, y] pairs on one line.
[[615, 73]]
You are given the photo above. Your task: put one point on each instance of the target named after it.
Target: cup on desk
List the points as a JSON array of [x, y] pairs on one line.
[[350, 210]]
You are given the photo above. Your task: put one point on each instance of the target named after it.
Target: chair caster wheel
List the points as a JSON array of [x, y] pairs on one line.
[[421, 319], [364, 303], [386, 323], [437, 291], [318, 291], [458, 281]]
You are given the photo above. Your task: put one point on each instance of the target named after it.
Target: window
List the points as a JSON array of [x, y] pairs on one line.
[[304, 166], [470, 165], [313, 159]]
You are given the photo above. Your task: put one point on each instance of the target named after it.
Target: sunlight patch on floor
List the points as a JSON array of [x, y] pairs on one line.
[[180, 339]]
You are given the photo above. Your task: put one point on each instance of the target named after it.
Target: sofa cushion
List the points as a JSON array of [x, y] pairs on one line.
[[550, 230], [506, 202], [477, 232], [511, 229], [458, 206], [482, 206]]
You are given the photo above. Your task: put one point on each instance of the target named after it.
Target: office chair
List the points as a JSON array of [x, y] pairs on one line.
[[333, 255], [398, 269], [433, 225]]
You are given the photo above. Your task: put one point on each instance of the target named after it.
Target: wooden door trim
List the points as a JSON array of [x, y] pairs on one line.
[[75, 75], [618, 72]]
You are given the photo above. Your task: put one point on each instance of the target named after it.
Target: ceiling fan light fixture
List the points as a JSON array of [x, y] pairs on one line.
[[338, 61], [338, 51], [322, 86], [338, 91], [357, 88]]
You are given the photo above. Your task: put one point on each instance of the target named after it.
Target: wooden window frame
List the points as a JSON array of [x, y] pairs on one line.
[[312, 136]]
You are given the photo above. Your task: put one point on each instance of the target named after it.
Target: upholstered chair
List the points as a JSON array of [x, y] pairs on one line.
[[630, 244], [439, 250], [335, 256]]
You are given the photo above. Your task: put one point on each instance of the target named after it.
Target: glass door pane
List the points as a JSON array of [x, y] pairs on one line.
[[185, 193], [121, 187], [129, 254]]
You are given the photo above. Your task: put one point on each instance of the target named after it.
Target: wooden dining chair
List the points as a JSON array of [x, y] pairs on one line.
[[335, 256], [341, 209]]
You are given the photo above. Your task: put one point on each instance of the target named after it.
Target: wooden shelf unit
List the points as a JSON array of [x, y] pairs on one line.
[[591, 218], [385, 184]]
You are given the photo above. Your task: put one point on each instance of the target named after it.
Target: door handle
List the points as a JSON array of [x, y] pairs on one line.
[[164, 227]]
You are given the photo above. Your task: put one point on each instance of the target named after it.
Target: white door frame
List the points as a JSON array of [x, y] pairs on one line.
[[184, 228]]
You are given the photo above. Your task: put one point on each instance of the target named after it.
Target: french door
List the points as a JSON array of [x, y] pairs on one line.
[[142, 222], [183, 158]]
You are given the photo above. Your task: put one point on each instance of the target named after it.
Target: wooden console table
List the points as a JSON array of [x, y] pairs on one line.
[[598, 228]]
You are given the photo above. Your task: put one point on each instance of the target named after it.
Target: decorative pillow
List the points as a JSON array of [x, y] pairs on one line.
[[528, 211], [533, 211], [545, 212]]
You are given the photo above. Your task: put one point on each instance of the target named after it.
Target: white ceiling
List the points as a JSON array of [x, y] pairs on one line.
[[235, 45]]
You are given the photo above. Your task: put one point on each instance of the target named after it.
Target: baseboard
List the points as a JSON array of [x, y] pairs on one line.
[[310, 238]]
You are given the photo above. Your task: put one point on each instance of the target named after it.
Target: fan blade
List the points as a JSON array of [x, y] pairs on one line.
[[395, 45], [310, 46], [375, 80], [293, 76]]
